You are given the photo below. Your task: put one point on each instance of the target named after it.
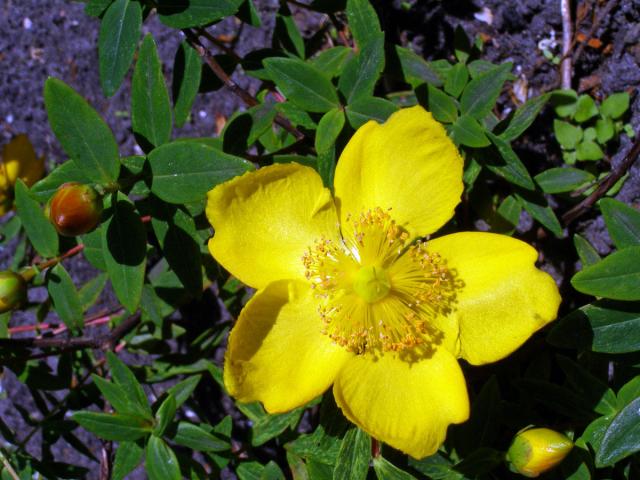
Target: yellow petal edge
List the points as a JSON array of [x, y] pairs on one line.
[[503, 298], [407, 164], [266, 219]]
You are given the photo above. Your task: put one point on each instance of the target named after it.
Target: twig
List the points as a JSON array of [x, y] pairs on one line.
[[565, 65], [604, 185], [221, 45], [103, 342], [244, 95]]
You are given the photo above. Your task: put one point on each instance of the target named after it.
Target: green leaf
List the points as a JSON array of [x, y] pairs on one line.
[[65, 298], [524, 117], [604, 326], [150, 105], [164, 415], [193, 437], [539, 209], [481, 93], [329, 128], [116, 427], [513, 169], [565, 102], [560, 180], [243, 129], [41, 233], [616, 277], [124, 246], [125, 378], [327, 166], [182, 391], [623, 222], [185, 171], [441, 105], [187, 72], [605, 130], [361, 73], [95, 8], [615, 105], [386, 470], [303, 84], [116, 395], [119, 33], [585, 109], [286, 35], [416, 70], [622, 436], [589, 150], [160, 461], [84, 136], [588, 255], [363, 22], [332, 61], [194, 13], [354, 455], [91, 290], [510, 210], [567, 135], [44, 189], [456, 80], [483, 425], [128, 457], [180, 243], [592, 389], [369, 108], [467, 131], [93, 251]]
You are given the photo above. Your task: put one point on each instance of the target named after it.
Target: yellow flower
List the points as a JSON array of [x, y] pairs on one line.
[[349, 294], [18, 161]]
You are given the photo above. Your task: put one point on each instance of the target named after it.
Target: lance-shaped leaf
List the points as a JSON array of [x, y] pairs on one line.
[[124, 246], [193, 13], [303, 84], [119, 33], [84, 136], [150, 105], [64, 295], [39, 229], [185, 171]]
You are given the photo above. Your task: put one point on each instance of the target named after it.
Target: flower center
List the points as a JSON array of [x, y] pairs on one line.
[[377, 292], [371, 283]]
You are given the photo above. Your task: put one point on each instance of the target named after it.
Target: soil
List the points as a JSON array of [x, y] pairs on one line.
[[55, 38]]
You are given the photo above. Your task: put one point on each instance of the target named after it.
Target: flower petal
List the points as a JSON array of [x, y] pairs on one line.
[[408, 164], [277, 353], [266, 219], [20, 161], [407, 405], [504, 298]]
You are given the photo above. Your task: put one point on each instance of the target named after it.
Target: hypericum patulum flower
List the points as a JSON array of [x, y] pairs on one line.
[[19, 160], [537, 450], [349, 293]]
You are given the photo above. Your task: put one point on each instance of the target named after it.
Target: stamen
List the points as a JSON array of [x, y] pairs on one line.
[[376, 293]]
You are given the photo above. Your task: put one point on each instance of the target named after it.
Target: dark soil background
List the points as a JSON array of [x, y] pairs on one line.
[[55, 38]]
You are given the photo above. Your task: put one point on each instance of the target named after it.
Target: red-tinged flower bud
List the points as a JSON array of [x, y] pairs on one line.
[[13, 291], [75, 209], [537, 450]]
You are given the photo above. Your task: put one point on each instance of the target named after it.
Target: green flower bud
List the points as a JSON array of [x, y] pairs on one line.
[[13, 291], [75, 209], [537, 450]]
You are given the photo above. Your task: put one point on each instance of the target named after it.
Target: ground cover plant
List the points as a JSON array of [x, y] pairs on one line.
[[409, 248]]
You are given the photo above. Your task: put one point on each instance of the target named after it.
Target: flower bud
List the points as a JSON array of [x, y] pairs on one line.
[[537, 450], [75, 209], [13, 291]]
